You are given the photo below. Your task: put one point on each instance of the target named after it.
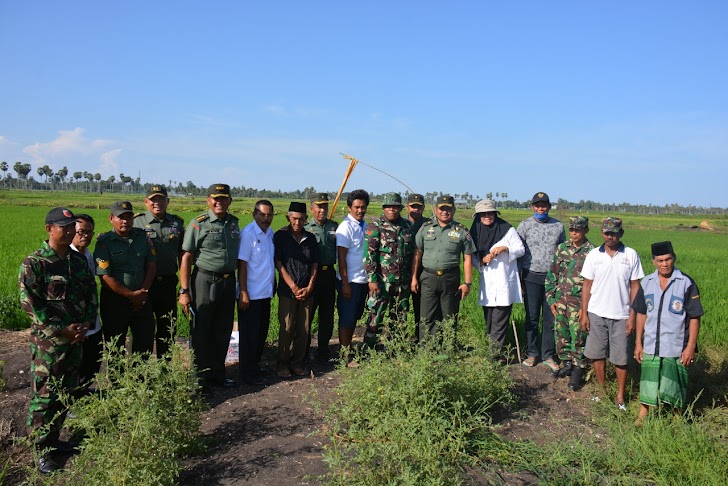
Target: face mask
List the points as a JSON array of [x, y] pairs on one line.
[[541, 217]]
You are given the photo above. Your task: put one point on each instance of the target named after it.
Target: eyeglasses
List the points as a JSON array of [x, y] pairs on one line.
[[84, 233]]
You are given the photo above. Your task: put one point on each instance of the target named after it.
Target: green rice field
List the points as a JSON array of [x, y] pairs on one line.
[[701, 253]]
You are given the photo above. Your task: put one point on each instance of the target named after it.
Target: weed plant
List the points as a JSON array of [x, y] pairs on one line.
[[142, 419], [412, 414]]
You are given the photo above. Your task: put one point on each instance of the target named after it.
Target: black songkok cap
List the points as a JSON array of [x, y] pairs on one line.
[[662, 248], [297, 207]]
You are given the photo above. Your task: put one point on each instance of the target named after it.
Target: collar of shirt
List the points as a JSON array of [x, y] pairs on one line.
[[151, 217], [259, 231], [603, 249], [213, 217]]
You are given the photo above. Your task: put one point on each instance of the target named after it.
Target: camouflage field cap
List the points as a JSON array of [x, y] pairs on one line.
[[416, 200], [121, 207], [392, 199], [578, 222], [218, 190], [320, 198], [156, 190], [611, 225], [445, 201], [60, 216]]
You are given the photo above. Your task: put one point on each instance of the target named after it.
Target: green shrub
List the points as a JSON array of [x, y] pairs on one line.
[[144, 416], [12, 316], [413, 416]]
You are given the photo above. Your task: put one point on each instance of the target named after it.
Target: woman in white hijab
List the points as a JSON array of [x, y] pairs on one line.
[[499, 246]]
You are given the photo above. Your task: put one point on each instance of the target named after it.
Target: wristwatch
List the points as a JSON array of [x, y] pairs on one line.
[[183, 291], [469, 284]]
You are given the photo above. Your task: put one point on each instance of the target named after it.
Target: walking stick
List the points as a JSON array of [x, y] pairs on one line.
[[515, 335]]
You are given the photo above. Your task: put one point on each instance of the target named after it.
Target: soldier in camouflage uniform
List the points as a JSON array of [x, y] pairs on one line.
[[388, 250], [58, 293], [563, 295]]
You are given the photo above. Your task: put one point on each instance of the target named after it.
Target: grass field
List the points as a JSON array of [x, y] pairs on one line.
[[701, 253]]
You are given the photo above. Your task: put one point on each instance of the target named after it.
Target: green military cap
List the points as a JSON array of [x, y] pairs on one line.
[[156, 190], [416, 199], [121, 207], [392, 199], [218, 190], [578, 222], [320, 198], [445, 201], [611, 225]]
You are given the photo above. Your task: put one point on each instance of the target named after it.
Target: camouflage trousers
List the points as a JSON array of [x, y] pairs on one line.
[[392, 298], [53, 368], [569, 337]]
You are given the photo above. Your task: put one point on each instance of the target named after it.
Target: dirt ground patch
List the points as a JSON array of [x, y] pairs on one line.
[[275, 433]]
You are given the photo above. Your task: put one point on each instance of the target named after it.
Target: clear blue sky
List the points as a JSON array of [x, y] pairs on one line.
[[610, 101]]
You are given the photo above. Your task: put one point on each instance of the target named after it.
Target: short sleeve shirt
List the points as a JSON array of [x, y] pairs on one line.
[[611, 278], [257, 251], [441, 246], [167, 235], [124, 258], [326, 238], [214, 242], [350, 235]]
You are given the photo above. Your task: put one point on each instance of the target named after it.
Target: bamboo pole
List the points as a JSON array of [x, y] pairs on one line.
[[349, 170]]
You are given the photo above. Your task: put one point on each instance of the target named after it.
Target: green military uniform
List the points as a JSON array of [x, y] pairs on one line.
[[417, 199], [388, 250], [166, 235], [125, 259], [324, 296], [214, 243], [563, 289], [55, 292], [441, 247]]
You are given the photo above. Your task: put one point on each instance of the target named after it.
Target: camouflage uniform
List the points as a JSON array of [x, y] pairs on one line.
[[563, 289], [55, 292], [388, 251]]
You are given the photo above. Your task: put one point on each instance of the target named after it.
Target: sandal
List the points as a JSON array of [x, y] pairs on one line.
[[551, 364], [530, 361]]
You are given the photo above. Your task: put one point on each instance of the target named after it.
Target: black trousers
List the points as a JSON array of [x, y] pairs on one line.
[[163, 296], [213, 299], [253, 324], [496, 324], [91, 358], [118, 318], [324, 299], [440, 299]]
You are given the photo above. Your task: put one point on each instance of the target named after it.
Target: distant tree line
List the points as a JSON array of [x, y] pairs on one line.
[[61, 179]]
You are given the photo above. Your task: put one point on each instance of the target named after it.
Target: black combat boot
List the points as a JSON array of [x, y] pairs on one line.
[[566, 369], [575, 382]]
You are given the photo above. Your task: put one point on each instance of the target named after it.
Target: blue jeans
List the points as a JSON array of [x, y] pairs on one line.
[[535, 303]]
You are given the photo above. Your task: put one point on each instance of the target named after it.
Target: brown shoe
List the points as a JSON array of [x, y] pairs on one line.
[[284, 374], [299, 371]]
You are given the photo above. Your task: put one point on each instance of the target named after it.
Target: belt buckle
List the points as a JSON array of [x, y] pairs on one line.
[[440, 273], [226, 275], [325, 267]]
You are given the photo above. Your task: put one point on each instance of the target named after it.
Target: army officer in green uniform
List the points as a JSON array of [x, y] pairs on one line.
[[324, 296], [439, 245], [126, 263], [166, 232], [207, 293]]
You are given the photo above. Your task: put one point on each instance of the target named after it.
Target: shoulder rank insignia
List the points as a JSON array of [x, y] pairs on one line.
[[201, 218], [103, 264]]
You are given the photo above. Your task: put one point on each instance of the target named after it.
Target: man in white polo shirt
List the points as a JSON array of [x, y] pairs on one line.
[[351, 281], [256, 277], [611, 281]]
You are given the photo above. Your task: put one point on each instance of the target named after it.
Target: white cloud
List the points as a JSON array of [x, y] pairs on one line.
[[73, 147], [3, 140]]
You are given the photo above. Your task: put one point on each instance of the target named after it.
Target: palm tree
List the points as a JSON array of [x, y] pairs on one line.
[[4, 168]]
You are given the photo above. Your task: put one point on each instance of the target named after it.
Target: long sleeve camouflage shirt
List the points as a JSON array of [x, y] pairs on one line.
[[56, 292], [388, 251], [563, 280]]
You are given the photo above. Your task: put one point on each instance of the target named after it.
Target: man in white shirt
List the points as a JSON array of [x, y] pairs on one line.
[[351, 282], [612, 274], [256, 277]]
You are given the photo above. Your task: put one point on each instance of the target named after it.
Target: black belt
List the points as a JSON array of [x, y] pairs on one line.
[[442, 272], [162, 278], [214, 274]]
